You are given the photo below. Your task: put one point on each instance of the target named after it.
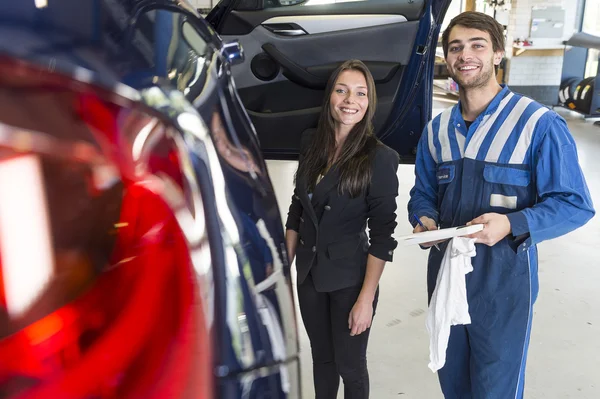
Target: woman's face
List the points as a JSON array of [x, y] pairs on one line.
[[349, 100]]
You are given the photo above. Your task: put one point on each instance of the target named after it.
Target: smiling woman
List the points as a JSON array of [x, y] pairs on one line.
[[346, 176], [345, 129], [349, 100]]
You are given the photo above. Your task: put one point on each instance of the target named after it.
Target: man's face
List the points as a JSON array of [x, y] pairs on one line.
[[471, 57]]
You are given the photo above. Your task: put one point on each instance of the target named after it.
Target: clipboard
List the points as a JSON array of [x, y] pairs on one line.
[[441, 234]]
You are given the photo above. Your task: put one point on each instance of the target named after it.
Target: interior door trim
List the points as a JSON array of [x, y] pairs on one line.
[[314, 24]]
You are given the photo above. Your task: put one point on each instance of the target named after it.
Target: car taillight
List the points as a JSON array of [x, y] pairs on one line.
[[98, 295]]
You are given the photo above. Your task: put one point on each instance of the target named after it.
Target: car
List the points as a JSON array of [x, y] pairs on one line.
[[142, 252], [134, 188], [292, 46]]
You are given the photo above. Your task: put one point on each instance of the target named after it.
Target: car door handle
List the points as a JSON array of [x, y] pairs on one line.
[[293, 71], [288, 29], [289, 32]]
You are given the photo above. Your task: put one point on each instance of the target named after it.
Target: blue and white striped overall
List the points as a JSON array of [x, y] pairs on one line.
[[517, 158]]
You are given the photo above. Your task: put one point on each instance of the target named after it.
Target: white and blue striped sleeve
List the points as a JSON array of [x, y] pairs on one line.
[[424, 195], [564, 202]]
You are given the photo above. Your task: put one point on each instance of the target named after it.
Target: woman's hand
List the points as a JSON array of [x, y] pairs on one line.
[[291, 241], [360, 316]]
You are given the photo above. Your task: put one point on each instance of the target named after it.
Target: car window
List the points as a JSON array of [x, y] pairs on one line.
[[249, 5]]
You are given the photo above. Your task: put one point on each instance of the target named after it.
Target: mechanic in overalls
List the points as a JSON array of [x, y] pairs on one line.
[[505, 161]]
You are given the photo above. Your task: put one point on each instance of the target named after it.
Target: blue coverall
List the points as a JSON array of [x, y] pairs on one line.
[[517, 158]]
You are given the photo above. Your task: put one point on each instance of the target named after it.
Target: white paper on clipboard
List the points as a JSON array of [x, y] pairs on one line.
[[442, 234]]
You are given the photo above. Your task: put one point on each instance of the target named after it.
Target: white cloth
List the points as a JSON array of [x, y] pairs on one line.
[[449, 306]]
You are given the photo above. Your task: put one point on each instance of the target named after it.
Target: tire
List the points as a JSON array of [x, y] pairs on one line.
[[584, 101]]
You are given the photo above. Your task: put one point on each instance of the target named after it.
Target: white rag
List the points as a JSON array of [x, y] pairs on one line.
[[449, 306]]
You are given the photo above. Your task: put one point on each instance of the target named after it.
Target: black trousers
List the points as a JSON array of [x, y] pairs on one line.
[[335, 353]]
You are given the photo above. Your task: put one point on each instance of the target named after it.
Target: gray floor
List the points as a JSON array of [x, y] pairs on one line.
[[564, 356]]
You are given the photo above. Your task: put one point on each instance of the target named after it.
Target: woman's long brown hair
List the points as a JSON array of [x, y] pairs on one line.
[[353, 163]]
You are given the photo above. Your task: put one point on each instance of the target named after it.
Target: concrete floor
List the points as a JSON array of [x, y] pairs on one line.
[[564, 355]]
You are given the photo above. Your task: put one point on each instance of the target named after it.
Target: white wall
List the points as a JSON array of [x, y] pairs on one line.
[[535, 71], [527, 70], [520, 16], [455, 8]]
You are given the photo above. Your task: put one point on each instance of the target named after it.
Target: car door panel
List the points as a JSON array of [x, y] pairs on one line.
[[312, 51], [313, 24], [291, 51], [286, 105], [242, 22]]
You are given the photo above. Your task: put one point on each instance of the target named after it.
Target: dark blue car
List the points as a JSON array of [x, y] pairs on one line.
[[141, 248]]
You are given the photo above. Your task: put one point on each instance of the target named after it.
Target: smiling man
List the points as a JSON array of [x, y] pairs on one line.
[[502, 160]]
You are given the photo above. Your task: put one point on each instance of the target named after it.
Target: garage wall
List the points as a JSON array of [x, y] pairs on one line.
[[537, 72]]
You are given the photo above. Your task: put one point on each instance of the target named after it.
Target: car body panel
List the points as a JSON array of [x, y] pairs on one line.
[[164, 54]]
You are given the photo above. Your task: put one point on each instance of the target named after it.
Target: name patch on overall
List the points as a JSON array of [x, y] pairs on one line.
[[503, 201], [445, 174]]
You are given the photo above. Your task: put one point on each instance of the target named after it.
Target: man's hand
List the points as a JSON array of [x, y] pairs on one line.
[[430, 225], [360, 316], [427, 222], [495, 228]]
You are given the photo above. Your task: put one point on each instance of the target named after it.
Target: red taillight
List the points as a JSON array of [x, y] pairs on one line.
[[120, 315]]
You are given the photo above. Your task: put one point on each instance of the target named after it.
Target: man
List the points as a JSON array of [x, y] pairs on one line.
[[505, 161]]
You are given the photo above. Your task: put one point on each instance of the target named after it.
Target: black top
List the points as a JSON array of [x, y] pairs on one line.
[[333, 244], [468, 124]]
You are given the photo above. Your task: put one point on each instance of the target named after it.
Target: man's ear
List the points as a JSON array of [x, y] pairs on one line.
[[498, 55]]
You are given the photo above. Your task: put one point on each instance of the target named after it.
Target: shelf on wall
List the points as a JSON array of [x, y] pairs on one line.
[[539, 51]]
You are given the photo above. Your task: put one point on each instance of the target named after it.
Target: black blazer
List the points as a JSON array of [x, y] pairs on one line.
[[333, 244]]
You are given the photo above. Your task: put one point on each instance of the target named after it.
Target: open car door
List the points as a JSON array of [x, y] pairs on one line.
[[292, 46]]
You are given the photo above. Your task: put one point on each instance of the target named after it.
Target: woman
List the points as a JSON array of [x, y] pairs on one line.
[[346, 180]]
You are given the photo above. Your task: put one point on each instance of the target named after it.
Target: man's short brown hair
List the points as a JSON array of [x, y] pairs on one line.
[[479, 21]]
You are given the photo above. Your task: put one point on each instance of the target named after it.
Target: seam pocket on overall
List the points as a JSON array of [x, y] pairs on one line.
[[445, 174], [342, 249], [506, 185], [506, 175]]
